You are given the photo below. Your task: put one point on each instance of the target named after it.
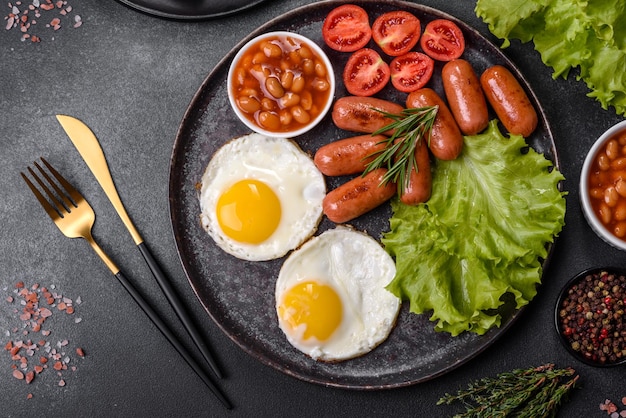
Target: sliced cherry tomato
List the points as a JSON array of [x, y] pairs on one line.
[[396, 33], [347, 28], [411, 71], [442, 40], [365, 73]]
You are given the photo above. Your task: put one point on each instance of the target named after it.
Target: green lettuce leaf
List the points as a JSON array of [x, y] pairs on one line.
[[589, 35], [482, 234]]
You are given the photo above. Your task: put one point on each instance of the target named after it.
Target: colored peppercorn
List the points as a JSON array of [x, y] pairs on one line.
[[591, 317]]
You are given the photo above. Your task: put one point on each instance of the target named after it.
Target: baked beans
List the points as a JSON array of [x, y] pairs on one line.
[[281, 84], [607, 185]]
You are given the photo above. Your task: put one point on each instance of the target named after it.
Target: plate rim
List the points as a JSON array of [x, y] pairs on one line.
[[202, 15]]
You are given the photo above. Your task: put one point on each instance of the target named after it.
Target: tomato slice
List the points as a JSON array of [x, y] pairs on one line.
[[396, 33], [365, 73], [347, 28], [411, 71], [442, 40]]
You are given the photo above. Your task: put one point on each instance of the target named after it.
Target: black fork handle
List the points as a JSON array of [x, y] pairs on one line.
[[179, 308], [165, 330]]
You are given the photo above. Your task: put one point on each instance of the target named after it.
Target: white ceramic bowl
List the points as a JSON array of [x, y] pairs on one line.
[[314, 120], [585, 198]]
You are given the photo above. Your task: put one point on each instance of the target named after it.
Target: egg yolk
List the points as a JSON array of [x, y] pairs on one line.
[[316, 306], [249, 211]]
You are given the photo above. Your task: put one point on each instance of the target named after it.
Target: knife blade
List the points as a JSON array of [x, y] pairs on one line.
[[90, 150]]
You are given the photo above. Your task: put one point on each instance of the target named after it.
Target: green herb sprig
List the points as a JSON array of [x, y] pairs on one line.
[[408, 128], [534, 392]]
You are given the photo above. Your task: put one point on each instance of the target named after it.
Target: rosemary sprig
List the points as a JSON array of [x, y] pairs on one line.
[[408, 128], [533, 392]]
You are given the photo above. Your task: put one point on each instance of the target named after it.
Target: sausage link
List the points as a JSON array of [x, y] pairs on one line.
[[349, 155], [420, 181], [465, 96], [357, 196], [446, 140], [357, 114], [509, 100]]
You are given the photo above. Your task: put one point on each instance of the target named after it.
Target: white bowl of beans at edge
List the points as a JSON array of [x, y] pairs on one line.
[[608, 196], [323, 107]]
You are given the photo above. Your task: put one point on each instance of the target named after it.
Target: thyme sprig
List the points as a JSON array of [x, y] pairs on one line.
[[408, 128], [533, 392]]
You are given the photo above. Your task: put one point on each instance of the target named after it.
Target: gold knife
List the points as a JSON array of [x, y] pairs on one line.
[[89, 148]]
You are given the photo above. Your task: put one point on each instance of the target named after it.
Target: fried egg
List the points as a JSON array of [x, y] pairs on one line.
[[331, 299], [261, 197]]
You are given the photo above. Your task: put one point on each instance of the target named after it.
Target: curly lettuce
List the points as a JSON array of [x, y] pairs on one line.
[[586, 34], [482, 234]]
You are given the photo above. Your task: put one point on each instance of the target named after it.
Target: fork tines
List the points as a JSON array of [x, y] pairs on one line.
[[58, 202]]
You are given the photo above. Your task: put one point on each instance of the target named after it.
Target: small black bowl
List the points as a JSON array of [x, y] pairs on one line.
[[575, 332]]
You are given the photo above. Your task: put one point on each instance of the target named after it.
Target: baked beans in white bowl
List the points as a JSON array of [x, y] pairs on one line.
[[281, 84], [603, 186]]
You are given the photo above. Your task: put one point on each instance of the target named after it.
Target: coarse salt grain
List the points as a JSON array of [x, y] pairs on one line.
[[23, 351], [19, 18], [612, 410]]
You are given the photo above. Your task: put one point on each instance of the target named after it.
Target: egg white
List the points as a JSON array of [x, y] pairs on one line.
[[287, 170], [358, 269]]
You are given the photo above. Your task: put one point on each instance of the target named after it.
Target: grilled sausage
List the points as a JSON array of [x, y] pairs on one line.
[[446, 140], [465, 96], [420, 181], [349, 155], [509, 100], [357, 114], [357, 196]]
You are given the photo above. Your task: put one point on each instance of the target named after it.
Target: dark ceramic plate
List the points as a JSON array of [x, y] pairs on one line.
[[239, 295], [190, 9]]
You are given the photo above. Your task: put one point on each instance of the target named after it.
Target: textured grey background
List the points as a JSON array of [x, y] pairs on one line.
[[130, 76]]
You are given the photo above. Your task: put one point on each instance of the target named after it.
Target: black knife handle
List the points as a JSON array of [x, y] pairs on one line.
[[171, 338], [179, 308]]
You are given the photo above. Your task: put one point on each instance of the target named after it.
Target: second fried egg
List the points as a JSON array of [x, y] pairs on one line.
[[330, 295]]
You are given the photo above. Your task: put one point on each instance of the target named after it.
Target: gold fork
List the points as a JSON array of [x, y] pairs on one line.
[[75, 218]]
